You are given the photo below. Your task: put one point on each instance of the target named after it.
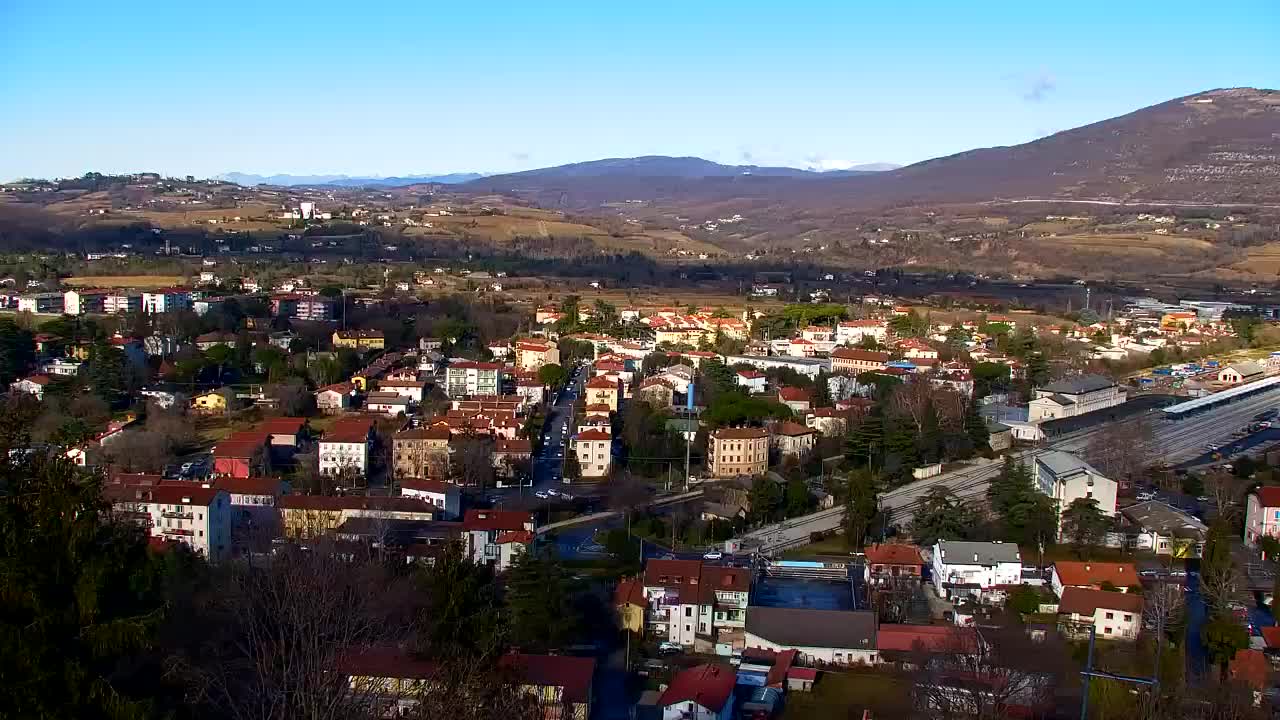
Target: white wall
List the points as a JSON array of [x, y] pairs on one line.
[[844, 656]]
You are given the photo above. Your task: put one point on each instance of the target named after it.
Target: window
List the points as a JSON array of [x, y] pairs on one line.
[[1106, 631], [688, 611], [1111, 616], [1128, 618], [201, 533]]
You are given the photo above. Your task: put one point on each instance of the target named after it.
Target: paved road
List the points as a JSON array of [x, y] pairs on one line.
[[1174, 441], [548, 464]]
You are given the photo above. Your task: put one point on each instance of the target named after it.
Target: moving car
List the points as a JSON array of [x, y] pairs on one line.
[[669, 648]]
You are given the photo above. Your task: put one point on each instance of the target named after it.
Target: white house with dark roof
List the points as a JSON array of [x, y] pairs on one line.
[[1067, 478], [1073, 396], [973, 569]]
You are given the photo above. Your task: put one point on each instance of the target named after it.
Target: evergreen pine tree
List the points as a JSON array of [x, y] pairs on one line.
[[976, 428]]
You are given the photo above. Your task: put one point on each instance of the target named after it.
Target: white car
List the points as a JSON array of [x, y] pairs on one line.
[[713, 555], [542, 494]]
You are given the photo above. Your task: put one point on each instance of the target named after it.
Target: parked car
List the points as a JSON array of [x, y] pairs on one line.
[[669, 648], [712, 555]]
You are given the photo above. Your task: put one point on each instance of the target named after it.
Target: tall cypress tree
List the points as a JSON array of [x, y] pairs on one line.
[[976, 428]]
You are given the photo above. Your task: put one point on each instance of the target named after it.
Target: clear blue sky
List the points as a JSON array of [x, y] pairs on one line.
[[413, 87]]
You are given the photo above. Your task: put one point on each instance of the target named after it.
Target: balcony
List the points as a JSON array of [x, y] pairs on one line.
[[179, 532], [184, 515]]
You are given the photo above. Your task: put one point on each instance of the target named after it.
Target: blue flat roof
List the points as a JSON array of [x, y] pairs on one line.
[[1223, 396]]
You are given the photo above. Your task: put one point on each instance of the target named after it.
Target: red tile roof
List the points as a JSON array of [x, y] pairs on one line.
[[660, 573], [237, 448], [339, 503], [164, 494], [792, 429], [524, 537], [426, 485], [496, 520], [1079, 601], [793, 394], [922, 637], [602, 382], [740, 433], [1268, 497], [1093, 574], [894, 554], [707, 685], [630, 591], [858, 354], [594, 435], [1271, 635], [1251, 668], [572, 674], [250, 485]]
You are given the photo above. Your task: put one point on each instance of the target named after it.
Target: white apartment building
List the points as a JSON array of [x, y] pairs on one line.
[[1067, 478], [497, 537], [197, 516], [167, 300], [973, 569], [592, 448], [121, 302], [1073, 396], [345, 449], [472, 378], [442, 495], [851, 332], [50, 302], [79, 302]]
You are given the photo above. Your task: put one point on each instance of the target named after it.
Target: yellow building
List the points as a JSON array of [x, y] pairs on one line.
[[734, 452], [212, 402], [602, 391], [359, 339]]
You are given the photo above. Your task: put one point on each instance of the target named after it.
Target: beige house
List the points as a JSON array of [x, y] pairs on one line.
[[657, 391], [794, 439], [531, 355], [602, 391], [851, 361], [592, 448], [738, 451], [421, 453]]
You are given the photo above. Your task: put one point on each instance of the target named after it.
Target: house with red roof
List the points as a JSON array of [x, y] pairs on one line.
[[497, 537], [792, 438], [242, 454], [703, 692], [175, 511], [1090, 575], [798, 399], [561, 685], [32, 385], [1262, 515], [1113, 615], [629, 601], [600, 390], [753, 380], [593, 450], [892, 563]]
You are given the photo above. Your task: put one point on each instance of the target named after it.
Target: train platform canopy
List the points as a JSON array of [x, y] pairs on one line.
[[1221, 397]]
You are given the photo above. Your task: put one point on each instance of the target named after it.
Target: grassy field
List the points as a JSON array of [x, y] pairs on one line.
[[847, 694], [1128, 244], [113, 281], [834, 545]]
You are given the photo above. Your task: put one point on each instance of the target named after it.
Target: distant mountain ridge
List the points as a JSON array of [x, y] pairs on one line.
[[1217, 146], [673, 167], [249, 180]]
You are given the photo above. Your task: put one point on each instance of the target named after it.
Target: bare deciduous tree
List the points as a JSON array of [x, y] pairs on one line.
[[993, 673]]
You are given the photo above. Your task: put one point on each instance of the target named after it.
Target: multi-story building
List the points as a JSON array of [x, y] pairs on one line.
[[48, 302], [794, 439], [852, 361], [892, 563], [592, 448], [1112, 615], [531, 355], [441, 494], [165, 300], [121, 302], [973, 569], [733, 452], [1073, 396], [194, 515], [421, 453], [309, 516], [600, 390], [359, 339], [413, 390], [344, 450], [1262, 515], [1067, 478], [79, 302], [334, 398], [497, 537], [473, 378], [673, 591], [315, 308], [851, 332]]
